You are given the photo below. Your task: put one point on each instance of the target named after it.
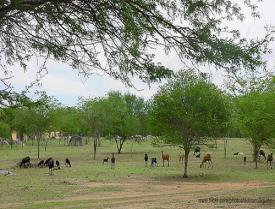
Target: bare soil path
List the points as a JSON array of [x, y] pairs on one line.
[[140, 193]]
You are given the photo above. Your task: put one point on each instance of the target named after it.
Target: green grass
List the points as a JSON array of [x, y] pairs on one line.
[[35, 183]]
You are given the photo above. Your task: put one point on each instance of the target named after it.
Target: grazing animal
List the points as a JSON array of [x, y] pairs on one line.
[[67, 162], [105, 160], [154, 162], [113, 161], [41, 164], [197, 152], [262, 153], [51, 167], [164, 157], [181, 157], [145, 159], [269, 160], [46, 163], [25, 162], [206, 159], [57, 164]]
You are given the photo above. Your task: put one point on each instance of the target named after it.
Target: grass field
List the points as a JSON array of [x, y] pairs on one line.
[[89, 184]]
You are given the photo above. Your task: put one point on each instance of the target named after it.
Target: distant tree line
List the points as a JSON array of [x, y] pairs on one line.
[[186, 111]]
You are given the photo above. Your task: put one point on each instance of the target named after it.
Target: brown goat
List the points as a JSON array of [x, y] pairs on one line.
[[113, 161], [269, 160], [165, 157], [206, 159]]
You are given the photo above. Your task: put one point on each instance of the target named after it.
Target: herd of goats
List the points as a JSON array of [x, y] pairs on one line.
[[206, 161], [50, 163]]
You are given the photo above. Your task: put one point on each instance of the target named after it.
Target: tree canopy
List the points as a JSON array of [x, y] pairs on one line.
[[119, 38], [256, 114], [187, 109]]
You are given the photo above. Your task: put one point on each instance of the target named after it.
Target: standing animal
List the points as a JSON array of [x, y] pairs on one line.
[[46, 163], [206, 159], [269, 160], [113, 161], [41, 164], [154, 162], [105, 160], [197, 152], [67, 162], [145, 159], [25, 162], [164, 157], [181, 157], [57, 164], [51, 167], [262, 153]]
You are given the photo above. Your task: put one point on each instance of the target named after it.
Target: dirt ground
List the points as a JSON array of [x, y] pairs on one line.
[[139, 193]]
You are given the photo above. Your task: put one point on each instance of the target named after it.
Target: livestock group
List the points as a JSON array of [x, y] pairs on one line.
[[205, 163], [50, 163]]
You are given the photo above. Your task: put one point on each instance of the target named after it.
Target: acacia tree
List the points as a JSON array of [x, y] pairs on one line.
[[187, 109], [116, 37], [257, 115], [124, 112], [94, 113], [39, 119]]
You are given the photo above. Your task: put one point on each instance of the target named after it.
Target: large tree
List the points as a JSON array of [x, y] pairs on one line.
[[94, 113], [120, 37], [125, 117], [39, 119], [257, 115], [187, 109]]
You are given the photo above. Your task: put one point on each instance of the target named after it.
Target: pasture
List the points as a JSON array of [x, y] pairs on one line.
[[89, 184]]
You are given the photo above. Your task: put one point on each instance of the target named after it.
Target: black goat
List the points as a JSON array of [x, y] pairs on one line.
[[154, 162], [197, 152], [262, 153], [269, 160], [25, 162], [46, 163], [57, 164], [41, 164], [51, 167], [67, 162], [105, 160]]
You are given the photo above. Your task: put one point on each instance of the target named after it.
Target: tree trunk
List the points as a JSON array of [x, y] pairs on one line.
[[95, 144], [46, 143], [186, 153], [225, 147], [38, 146], [99, 141], [119, 144], [256, 154]]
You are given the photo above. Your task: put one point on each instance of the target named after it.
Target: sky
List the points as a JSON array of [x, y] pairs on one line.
[[67, 86]]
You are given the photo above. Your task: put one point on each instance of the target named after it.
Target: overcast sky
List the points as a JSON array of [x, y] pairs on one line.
[[64, 83]]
